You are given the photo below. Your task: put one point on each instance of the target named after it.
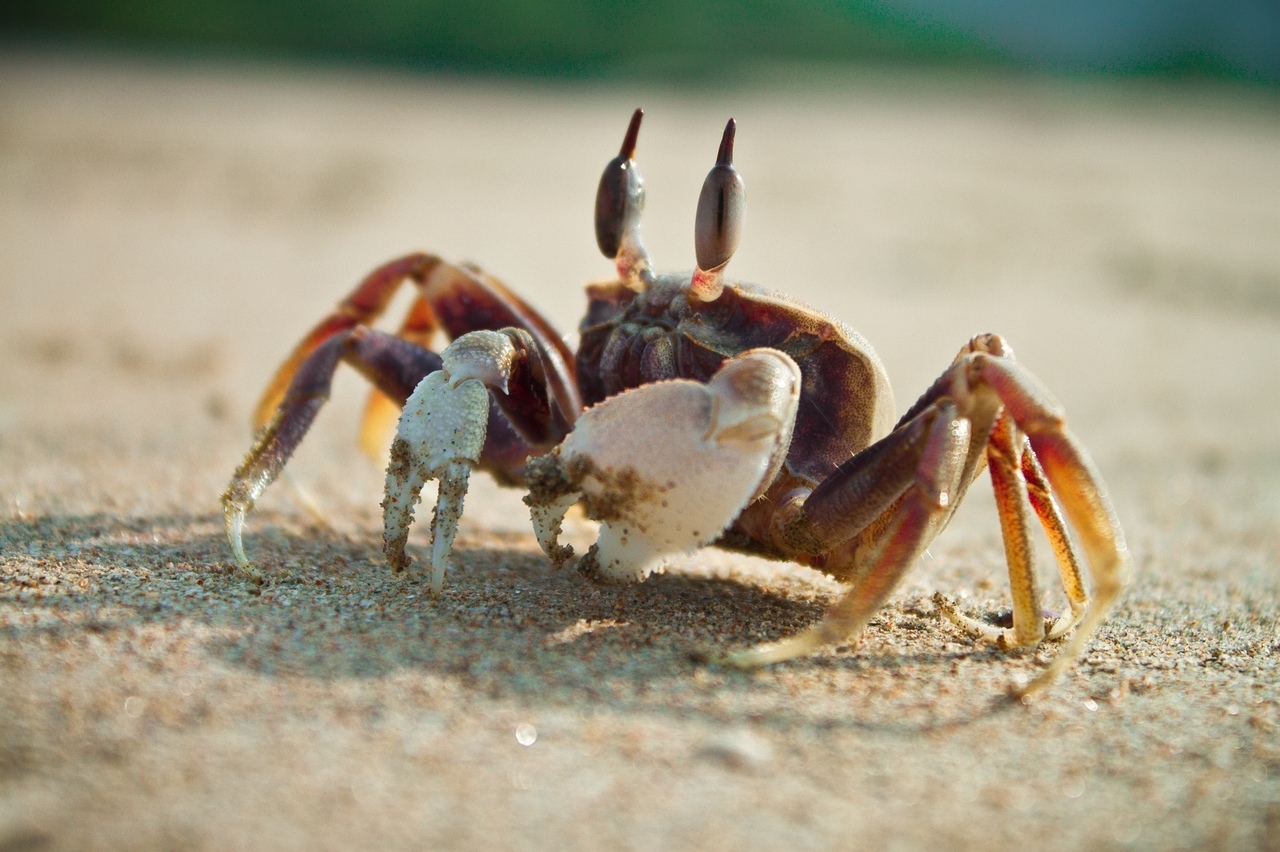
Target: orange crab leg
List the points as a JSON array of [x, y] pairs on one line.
[[1075, 482], [381, 411], [460, 299], [1004, 463], [364, 305], [1055, 528], [869, 519], [935, 469]]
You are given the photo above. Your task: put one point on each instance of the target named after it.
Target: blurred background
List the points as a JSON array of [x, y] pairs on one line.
[[920, 168], [1235, 39]]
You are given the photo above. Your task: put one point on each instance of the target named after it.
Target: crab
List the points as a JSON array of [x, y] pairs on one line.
[[700, 411]]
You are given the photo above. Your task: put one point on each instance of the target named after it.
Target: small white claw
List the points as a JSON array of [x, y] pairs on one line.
[[440, 436], [548, 519], [667, 467]]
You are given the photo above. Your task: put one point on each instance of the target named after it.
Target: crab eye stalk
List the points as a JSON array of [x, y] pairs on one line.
[[717, 230], [619, 202]]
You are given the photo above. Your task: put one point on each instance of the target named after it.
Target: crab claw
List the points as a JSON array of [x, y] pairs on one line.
[[666, 467], [440, 435]]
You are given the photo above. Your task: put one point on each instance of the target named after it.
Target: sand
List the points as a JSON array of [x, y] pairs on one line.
[[168, 231]]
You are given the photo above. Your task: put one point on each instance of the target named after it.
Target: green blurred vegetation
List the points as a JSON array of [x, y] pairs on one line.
[[575, 38], [695, 39]]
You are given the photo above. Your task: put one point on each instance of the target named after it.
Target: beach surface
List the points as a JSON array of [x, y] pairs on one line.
[[167, 232]]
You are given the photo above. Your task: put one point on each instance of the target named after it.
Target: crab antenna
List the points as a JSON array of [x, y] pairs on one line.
[[619, 202], [717, 229]]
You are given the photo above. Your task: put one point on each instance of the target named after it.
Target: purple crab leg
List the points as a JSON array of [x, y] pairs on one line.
[[395, 367]]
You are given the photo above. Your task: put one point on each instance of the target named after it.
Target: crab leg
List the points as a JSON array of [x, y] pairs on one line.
[[1046, 508], [1038, 493], [1006, 465], [380, 410], [852, 499], [1063, 550], [458, 298], [858, 527], [1078, 485], [937, 475], [442, 434], [364, 305], [389, 361], [395, 366]]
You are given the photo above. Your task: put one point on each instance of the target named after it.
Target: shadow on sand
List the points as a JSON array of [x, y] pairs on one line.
[[507, 626]]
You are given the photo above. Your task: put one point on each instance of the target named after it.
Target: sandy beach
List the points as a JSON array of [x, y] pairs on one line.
[[167, 232]]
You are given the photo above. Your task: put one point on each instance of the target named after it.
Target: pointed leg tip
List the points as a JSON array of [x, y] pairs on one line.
[[744, 659], [235, 535], [705, 656], [397, 559], [436, 586]]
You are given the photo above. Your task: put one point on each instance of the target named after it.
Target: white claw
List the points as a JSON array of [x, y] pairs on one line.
[[548, 518], [440, 436], [667, 467], [444, 525]]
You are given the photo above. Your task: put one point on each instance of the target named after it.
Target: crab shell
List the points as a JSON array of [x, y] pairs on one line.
[[630, 339]]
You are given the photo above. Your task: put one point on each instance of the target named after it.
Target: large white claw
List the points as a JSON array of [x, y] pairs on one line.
[[667, 467], [440, 435]]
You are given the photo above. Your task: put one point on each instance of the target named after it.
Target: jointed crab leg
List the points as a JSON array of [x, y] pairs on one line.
[[1038, 492], [1012, 504], [937, 475], [1013, 494], [983, 384], [380, 410], [395, 367], [364, 305], [459, 299], [441, 435], [1078, 485]]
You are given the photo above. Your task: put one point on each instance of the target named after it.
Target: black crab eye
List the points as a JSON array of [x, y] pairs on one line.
[[722, 208], [620, 196]]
